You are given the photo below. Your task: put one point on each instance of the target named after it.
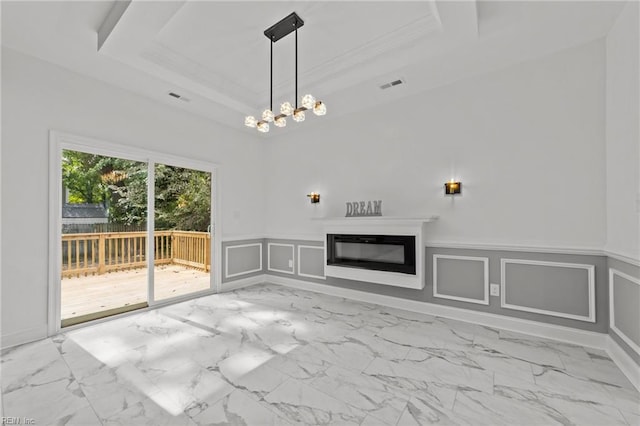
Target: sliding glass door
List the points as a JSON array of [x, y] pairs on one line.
[[132, 234], [182, 238], [103, 229]]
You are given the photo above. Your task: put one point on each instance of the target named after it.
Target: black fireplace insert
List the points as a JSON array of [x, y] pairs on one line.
[[392, 253]]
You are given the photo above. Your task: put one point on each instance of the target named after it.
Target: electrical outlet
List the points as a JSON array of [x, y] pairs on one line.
[[290, 263], [494, 289]]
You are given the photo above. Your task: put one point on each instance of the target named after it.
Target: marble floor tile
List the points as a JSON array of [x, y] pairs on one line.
[[48, 403], [406, 379], [149, 412], [271, 355], [32, 365], [190, 383], [301, 403], [363, 392], [524, 350], [374, 345], [238, 408], [420, 411], [299, 365], [439, 369], [598, 368]]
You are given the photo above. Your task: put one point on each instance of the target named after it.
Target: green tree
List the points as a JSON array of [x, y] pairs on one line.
[[182, 196], [81, 175], [129, 194]]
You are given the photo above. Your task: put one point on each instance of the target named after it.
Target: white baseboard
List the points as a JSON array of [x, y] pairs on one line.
[[243, 282], [534, 328], [24, 336], [624, 362]]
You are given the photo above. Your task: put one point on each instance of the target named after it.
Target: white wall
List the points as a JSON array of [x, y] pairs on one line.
[[527, 142], [37, 97], [623, 135]]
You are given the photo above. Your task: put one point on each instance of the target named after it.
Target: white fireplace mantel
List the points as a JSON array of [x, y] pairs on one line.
[[361, 220], [380, 225]]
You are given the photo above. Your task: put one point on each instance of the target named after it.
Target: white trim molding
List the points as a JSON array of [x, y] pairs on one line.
[[484, 260], [226, 260], [300, 261], [293, 260], [242, 283], [294, 237], [624, 362], [23, 336], [247, 237], [591, 317], [623, 258], [580, 251], [612, 311]]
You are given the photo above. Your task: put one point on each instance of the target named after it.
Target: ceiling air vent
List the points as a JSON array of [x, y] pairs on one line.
[[392, 83], [178, 96]]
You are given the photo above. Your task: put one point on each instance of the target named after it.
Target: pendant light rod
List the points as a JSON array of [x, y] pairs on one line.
[[296, 66], [271, 79]]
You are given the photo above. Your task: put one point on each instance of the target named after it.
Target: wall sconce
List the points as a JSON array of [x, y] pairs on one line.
[[451, 188], [315, 197]]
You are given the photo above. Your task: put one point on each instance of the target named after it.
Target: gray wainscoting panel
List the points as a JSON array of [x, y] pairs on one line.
[[463, 278], [241, 259], [624, 302], [281, 257], [623, 326], [546, 314], [311, 261], [550, 288]]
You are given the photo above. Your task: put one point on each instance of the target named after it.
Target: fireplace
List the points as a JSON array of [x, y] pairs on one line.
[[390, 253], [383, 250]]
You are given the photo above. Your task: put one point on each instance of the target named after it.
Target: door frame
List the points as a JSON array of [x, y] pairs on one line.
[[59, 141]]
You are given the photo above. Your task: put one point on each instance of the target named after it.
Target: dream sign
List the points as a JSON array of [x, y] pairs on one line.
[[364, 208]]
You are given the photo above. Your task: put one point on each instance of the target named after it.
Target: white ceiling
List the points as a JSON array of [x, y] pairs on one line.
[[215, 54]]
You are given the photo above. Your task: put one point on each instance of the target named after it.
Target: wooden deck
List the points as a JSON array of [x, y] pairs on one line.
[[97, 293]]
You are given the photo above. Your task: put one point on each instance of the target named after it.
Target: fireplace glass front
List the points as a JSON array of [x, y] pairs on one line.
[[392, 253]]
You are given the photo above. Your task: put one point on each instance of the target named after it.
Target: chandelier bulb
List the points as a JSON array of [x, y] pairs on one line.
[[280, 122], [286, 108], [319, 108], [298, 115], [262, 126], [250, 121], [267, 115], [308, 101]]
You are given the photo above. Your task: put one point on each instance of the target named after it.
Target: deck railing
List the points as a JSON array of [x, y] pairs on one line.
[[102, 252]]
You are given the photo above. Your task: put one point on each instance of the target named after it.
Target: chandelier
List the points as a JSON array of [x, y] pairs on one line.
[[284, 27]]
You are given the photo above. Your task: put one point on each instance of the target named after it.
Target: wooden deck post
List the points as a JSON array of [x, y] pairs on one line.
[[173, 244], [101, 254], [207, 253]]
